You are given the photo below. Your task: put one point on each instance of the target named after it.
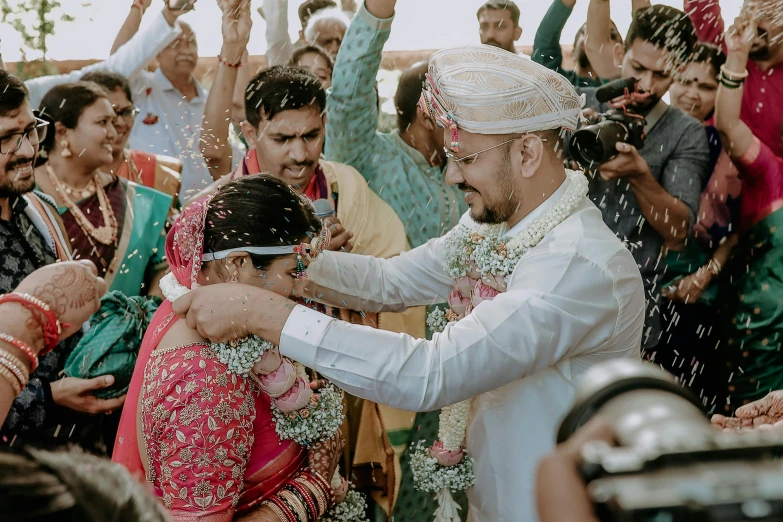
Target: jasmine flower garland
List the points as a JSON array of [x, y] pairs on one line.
[[352, 509], [316, 421], [240, 356]]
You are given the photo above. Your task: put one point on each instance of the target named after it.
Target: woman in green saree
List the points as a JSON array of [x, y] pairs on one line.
[[111, 221]]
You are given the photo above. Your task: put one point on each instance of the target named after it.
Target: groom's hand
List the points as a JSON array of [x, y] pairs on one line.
[[224, 312]]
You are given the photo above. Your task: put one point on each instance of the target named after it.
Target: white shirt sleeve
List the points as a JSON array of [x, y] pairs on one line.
[[279, 47], [127, 61], [558, 305], [414, 278]]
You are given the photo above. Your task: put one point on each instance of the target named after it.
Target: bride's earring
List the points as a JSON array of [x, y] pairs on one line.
[[234, 277], [66, 152]]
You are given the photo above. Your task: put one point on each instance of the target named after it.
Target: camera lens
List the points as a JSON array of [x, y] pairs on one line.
[[596, 144]]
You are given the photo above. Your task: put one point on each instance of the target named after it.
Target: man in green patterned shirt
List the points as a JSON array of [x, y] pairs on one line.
[[404, 167]]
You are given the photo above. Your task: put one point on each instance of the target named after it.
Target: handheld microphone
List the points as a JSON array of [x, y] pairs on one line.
[[323, 208]]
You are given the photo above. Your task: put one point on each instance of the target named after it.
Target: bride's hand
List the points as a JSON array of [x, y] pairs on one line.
[[325, 455]]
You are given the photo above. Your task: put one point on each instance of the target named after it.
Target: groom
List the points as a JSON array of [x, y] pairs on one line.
[[573, 300]]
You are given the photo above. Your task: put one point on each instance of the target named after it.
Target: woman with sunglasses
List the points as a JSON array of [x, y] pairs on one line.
[[115, 223], [151, 170]]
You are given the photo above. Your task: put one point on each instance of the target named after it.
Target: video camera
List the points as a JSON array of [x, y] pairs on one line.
[[595, 144], [671, 464]]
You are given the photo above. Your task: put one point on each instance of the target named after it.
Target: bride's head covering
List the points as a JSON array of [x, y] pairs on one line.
[[185, 243], [486, 90]]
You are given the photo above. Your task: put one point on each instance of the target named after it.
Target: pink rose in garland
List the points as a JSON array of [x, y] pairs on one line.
[[270, 361], [445, 457], [279, 381], [296, 398], [483, 293], [458, 303], [465, 285]]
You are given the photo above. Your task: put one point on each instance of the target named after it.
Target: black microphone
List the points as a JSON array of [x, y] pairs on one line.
[[323, 208], [615, 89]]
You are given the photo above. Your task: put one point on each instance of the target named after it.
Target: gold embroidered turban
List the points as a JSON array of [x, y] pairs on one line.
[[486, 90]]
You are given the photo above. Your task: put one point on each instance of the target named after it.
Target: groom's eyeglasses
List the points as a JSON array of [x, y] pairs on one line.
[[470, 158]]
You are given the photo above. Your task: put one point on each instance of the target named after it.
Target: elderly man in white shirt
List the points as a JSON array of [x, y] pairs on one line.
[[128, 60], [570, 294]]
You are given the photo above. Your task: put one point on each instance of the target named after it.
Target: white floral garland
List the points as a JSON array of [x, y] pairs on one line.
[[480, 261]]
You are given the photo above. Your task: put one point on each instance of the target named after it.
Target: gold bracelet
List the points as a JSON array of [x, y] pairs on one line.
[[16, 361], [320, 497], [12, 380], [294, 503], [8, 365]]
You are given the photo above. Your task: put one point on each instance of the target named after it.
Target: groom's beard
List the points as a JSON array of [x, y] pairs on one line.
[[500, 205]]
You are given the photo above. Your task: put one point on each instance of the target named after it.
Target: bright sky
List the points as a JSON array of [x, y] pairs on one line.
[[421, 24]]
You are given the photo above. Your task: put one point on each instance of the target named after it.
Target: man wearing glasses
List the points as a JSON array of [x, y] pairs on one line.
[[540, 289], [32, 236]]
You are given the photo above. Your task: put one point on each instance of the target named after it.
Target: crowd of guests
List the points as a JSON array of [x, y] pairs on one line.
[[98, 165]]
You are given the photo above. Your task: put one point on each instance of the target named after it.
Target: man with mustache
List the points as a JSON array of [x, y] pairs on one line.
[[50, 411], [499, 24], [171, 104], [569, 298], [648, 197], [547, 50], [761, 107]]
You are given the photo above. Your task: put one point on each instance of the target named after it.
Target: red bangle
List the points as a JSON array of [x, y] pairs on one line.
[[230, 65], [51, 327], [319, 480], [139, 4], [277, 501], [307, 497], [16, 343]]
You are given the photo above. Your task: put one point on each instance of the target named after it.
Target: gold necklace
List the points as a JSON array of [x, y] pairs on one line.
[[106, 234]]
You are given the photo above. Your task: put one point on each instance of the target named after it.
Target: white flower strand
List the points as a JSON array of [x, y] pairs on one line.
[[452, 432]]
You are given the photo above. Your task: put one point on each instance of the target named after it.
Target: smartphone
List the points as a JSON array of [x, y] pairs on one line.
[[181, 5]]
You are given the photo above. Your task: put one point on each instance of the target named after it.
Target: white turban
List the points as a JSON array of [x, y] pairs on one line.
[[486, 90]]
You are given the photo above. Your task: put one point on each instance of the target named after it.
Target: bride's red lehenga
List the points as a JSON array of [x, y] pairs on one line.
[[211, 446]]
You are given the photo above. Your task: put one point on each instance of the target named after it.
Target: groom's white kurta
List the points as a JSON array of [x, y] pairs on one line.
[[574, 300]]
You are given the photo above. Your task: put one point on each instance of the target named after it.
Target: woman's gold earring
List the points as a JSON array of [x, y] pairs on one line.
[[66, 152], [235, 277]]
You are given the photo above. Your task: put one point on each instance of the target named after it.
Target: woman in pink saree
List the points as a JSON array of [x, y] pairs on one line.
[[202, 436]]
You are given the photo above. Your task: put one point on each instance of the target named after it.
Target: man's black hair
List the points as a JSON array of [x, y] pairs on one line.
[[666, 28], [13, 93], [501, 5], [282, 88]]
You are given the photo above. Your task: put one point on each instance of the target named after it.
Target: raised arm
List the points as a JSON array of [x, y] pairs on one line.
[[127, 61], [598, 42], [215, 147], [707, 19], [132, 23], [639, 4], [735, 135], [546, 45], [279, 47], [352, 107]]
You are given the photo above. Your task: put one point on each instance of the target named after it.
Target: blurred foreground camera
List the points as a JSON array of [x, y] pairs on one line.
[[595, 144], [671, 464]]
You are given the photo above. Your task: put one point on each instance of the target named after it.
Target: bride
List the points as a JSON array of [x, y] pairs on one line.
[[202, 434]]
